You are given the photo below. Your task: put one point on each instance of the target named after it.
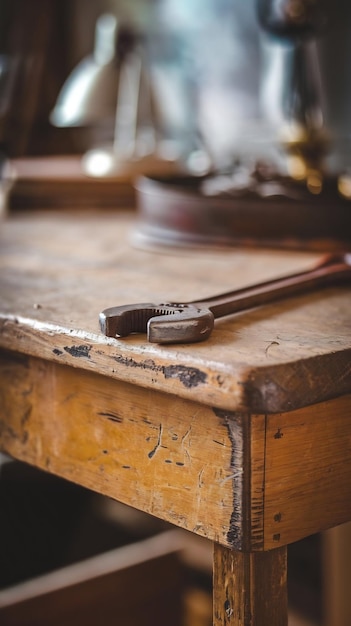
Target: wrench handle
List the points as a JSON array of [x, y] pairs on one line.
[[332, 271]]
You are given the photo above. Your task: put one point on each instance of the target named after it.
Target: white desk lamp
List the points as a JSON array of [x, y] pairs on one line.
[[103, 85]]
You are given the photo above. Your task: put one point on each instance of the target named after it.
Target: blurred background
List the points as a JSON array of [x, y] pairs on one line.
[[217, 76], [194, 86], [255, 94]]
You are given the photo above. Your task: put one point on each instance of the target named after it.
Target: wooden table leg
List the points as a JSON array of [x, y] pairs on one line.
[[336, 546], [250, 589]]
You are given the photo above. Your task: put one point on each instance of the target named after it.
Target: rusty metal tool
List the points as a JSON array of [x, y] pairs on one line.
[[190, 322]]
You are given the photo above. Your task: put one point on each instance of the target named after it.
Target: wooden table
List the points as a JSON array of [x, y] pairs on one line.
[[244, 439]]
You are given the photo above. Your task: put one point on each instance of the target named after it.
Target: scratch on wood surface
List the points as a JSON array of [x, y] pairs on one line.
[[26, 415], [113, 417], [271, 343], [233, 476], [186, 435], [186, 444], [200, 479], [173, 435], [158, 444]]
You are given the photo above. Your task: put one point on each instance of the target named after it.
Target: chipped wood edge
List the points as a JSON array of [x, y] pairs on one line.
[[269, 389]]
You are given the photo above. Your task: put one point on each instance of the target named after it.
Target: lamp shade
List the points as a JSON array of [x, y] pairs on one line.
[[90, 92]]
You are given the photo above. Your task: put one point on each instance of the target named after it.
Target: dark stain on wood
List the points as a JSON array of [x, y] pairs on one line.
[[241, 495], [245, 531], [112, 417], [14, 358], [278, 434], [263, 395], [79, 352], [278, 389], [188, 376], [228, 609], [149, 364], [57, 352]]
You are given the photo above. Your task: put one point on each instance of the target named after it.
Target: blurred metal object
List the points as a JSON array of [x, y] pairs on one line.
[[297, 24], [6, 171], [89, 93], [114, 83], [292, 19], [267, 79], [280, 188], [257, 96], [7, 178], [258, 207], [187, 322]]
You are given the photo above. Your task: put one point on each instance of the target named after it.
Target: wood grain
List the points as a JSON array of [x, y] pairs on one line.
[[250, 589], [198, 468], [251, 482], [307, 471], [247, 437], [58, 271], [244, 439], [167, 456]]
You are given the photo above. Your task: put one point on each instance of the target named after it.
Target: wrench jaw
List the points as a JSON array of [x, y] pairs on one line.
[[163, 323], [192, 322], [121, 321], [188, 324]]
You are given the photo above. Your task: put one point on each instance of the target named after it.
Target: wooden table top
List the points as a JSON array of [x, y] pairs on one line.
[[59, 270], [60, 182]]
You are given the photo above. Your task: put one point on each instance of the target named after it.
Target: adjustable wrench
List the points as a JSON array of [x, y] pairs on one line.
[[189, 322]]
